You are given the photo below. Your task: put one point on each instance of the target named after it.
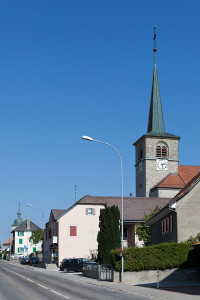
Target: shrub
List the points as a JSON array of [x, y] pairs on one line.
[[162, 256]]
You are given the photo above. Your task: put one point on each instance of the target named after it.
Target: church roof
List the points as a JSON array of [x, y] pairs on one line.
[[185, 174], [156, 125], [18, 220]]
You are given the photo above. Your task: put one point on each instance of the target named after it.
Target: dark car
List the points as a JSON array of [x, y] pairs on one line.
[[61, 264], [25, 261], [74, 264], [34, 260]]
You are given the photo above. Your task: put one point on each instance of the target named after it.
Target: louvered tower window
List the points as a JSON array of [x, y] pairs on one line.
[[161, 151]]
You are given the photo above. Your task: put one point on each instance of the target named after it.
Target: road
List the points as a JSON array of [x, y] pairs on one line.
[[21, 282]]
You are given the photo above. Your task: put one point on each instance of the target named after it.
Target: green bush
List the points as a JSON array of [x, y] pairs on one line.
[[162, 256]]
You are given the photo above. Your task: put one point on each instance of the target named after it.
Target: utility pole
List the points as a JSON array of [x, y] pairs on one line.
[[75, 192]]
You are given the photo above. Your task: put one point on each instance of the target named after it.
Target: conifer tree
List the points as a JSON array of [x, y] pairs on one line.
[[109, 234]]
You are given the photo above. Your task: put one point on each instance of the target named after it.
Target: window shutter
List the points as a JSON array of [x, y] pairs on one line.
[[18, 250], [18, 233], [94, 211], [23, 233], [86, 211], [73, 231]]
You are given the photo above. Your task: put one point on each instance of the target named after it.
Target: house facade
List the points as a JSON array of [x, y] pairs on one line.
[[76, 228]]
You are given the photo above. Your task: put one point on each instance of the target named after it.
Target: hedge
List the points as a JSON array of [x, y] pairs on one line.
[[162, 256]]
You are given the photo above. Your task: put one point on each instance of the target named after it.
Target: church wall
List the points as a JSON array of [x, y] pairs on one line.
[[147, 174], [164, 193], [188, 219]]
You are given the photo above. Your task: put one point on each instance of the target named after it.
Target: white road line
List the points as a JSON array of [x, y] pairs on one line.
[[42, 286]]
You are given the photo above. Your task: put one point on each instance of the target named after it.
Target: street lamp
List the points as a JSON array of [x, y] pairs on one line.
[[30, 205], [43, 224], [87, 138]]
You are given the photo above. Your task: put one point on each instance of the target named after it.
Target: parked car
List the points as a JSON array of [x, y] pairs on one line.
[[25, 261], [61, 264], [21, 257], [74, 264], [33, 260]]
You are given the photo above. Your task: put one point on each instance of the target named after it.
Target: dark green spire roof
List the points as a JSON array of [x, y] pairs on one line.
[[156, 121], [19, 219], [156, 125]]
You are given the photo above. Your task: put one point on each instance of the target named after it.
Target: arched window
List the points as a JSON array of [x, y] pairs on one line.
[[161, 150], [140, 156]]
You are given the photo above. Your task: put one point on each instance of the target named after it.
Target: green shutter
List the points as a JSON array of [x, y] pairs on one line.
[[20, 241], [34, 249], [18, 233], [23, 233], [17, 249]]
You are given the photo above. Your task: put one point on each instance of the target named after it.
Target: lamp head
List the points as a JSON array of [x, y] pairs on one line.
[[87, 138]]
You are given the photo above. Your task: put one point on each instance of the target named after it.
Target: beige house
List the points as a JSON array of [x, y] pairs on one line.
[[73, 232]]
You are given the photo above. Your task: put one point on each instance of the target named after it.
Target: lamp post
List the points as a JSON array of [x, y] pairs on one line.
[[43, 224], [87, 138], [30, 205]]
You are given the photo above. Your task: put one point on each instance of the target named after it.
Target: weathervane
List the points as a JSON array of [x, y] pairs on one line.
[[154, 49]]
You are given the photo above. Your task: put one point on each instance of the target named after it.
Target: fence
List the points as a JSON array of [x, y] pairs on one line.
[[101, 272]]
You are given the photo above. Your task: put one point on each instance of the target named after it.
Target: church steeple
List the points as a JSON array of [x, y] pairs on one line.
[[156, 121]]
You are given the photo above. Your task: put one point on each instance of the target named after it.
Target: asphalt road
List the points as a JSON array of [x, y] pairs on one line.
[[21, 282]]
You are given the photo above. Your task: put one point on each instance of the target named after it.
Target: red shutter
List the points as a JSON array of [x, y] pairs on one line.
[[171, 224], [73, 231]]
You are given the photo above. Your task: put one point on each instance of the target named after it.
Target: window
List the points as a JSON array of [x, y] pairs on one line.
[[90, 211], [161, 151], [125, 232], [20, 233], [20, 250], [73, 231], [49, 233], [171, 223], [20, 241], [167, 225]]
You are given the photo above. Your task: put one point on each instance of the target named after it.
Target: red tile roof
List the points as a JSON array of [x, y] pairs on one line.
[[182, 193], [8, 242], [186, 173]]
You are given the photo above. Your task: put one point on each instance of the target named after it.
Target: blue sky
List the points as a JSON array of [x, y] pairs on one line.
[[73, 68]]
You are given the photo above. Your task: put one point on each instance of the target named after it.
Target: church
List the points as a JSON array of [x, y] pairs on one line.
[[158, 174]]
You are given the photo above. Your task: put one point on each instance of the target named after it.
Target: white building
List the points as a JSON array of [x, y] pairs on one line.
[[21, 236]]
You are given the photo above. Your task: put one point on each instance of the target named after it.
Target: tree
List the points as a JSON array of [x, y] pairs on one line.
[[144, 232], [37, 236], [109, 235]]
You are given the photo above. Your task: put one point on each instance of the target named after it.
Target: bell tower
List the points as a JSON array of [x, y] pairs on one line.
[[156, 152]]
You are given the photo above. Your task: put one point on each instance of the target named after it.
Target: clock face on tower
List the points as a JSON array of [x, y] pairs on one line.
[[161, 164]]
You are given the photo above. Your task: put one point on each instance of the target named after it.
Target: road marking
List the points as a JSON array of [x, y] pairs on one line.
[[42, 286]]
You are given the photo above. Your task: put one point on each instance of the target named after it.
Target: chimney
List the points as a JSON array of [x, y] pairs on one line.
[[28, 224]]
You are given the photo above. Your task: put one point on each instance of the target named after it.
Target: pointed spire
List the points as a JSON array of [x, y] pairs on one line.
[[156, 121]]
